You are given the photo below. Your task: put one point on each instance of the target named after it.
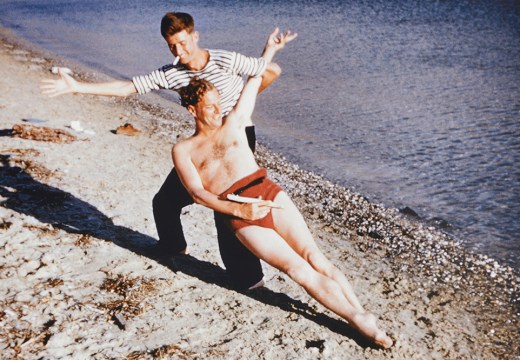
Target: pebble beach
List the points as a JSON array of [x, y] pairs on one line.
[[79, 279]]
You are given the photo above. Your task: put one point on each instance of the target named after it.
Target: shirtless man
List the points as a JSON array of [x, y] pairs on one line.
[[217, 161], [225, 69]]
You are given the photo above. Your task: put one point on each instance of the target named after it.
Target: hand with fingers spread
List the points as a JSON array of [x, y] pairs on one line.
[[278, 40], [64, 85], [275, 42]]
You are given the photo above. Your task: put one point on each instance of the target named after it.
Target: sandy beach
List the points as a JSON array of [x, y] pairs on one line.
[[78, 279]]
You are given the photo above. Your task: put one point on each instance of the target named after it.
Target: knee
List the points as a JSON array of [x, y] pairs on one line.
[[157, 201], [321, 264], [163, 201], [302, 274], [312, 280]]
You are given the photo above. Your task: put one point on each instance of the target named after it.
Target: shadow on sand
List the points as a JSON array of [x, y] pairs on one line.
[[24, 194]]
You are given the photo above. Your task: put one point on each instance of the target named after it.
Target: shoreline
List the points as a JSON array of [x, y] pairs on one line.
[[433, 296]]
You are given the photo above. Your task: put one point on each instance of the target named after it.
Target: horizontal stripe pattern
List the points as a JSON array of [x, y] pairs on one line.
[[224, 70]]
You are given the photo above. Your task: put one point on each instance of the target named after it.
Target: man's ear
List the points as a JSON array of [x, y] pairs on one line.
[[191, 110], [196, 37]]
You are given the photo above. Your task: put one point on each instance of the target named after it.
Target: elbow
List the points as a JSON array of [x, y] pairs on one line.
[[197, 197], [128, 92], [271, 73], [274, 70], [126, 88]]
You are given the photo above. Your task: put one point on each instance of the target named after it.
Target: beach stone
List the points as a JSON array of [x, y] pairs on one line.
[[28, 267], [37, 60], [46, 272], [11, 313], [24, 296], [32, 254], [48, 257], [60, 341]]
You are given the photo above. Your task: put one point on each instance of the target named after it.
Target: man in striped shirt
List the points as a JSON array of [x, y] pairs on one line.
[[225, 70]]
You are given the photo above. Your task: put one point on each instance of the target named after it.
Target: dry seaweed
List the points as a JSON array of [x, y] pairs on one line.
[[131, 291], [18, 336], [54, 282], [130, 307], [5, 225], [42, 133], [163, 352], [29, 151], [120, 285], [37, 171], [46, 229], [83, 241]]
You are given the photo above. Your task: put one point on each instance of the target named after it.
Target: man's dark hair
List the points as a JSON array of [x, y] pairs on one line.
[[195, 91], [175, 22]]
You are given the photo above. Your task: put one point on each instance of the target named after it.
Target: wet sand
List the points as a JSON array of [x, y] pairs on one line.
[[79, 279]]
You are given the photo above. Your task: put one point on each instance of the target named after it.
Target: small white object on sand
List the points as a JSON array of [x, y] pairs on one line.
[[65, 70], [76, 125]]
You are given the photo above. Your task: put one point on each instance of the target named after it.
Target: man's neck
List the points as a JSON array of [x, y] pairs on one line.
[[200, 60], [206, 132]]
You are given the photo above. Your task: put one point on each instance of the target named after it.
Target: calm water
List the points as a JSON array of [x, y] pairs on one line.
[[412, 103]]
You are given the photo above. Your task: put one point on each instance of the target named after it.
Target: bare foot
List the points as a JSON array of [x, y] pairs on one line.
[[366, 324]]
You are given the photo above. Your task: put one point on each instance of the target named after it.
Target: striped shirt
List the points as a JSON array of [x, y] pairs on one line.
[[224, 70]]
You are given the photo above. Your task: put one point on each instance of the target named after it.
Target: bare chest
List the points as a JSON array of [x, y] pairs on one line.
[[215, 159], [222, 158]]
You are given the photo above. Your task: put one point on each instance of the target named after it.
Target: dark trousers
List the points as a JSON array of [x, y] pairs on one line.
[[243, 267]]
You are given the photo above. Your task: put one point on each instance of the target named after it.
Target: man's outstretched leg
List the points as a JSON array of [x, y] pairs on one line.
[[167, 207], [276, 251], [243, 267]]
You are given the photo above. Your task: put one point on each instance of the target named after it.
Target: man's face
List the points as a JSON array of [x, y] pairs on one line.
[[183, 45], [208, 109]]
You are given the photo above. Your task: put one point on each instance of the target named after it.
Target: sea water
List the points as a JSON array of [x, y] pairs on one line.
[[411, 103]]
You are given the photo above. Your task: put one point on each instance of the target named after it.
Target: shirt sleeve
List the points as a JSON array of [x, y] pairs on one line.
[[166, 77], [248, 66]]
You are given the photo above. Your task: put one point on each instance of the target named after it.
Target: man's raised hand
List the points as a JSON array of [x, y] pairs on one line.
[[277, 40]]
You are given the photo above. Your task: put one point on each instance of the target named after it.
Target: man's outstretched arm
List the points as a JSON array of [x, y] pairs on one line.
[[66, 84]]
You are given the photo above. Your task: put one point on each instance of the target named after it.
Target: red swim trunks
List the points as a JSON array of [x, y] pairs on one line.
[[254, 185]]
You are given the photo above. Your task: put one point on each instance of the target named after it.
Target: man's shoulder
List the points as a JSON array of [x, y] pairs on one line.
[[232, 120], [220, 52], [182, 147], [188, 141], [222, 56]]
